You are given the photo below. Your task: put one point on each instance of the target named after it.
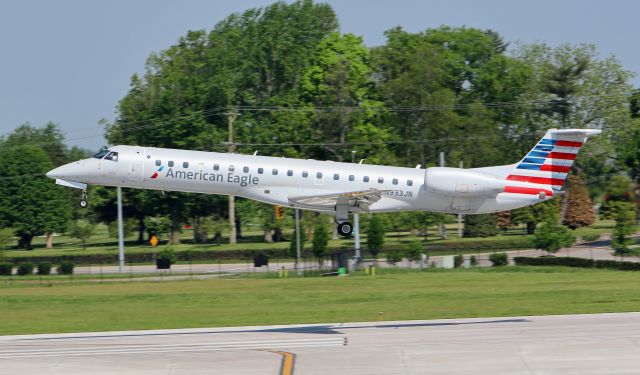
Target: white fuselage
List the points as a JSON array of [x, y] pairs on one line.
[[274, 180]]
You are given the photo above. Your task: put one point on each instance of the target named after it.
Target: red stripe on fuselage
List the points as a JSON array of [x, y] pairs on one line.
[[526, 190], [555, 168], [568, 144], [536, 180], [561, 155]]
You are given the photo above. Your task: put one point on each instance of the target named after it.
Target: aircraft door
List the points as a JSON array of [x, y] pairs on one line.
[[136, 164]]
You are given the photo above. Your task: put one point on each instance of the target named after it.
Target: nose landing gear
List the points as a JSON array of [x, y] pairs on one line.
[[83, 200]]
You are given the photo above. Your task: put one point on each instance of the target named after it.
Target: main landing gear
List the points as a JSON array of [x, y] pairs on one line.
[[83, 200], [345, 229]]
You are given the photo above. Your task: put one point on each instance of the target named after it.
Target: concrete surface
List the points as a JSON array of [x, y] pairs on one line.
[[563, 344]]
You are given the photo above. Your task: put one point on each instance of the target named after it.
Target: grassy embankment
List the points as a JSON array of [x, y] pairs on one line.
[[101, 243], [506, 291]]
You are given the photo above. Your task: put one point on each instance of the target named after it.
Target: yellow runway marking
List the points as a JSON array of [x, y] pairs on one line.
[[288, 360]]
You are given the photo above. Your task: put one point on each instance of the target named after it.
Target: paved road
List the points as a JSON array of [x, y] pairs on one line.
[[563, 344]]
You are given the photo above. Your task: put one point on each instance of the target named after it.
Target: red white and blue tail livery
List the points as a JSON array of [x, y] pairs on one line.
[[336, 188]]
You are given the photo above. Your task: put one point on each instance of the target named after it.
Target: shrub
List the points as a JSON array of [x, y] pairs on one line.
[[6, 268], [589, 237], [394, 256], [375, 235], [168, 253], [552, 236], [320, 240], [25, 269], [577, 262], [499, 259], [413, 251], [44, 268], [66, 268], [458, 260], [473, 260]]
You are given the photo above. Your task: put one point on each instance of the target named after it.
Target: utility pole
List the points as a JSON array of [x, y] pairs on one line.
[[460, 215], [120, 233], [356, 224], [443, 230], [231, 116], [297, 238]]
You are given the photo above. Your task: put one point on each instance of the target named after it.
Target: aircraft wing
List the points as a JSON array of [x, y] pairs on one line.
[[353, 199]]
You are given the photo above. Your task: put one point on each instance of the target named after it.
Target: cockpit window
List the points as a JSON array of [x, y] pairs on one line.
[[101, 153], [113, 156]]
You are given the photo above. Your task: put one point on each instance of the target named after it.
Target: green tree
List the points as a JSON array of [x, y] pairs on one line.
[[339, 84], [484, 225], [128, 227], [624, 216], [31, 203], [159, 225], [617, 190], [82, 230], [320, 240], [6, 237], [375, 236], [551, 236], [532, 215], [413, 251]]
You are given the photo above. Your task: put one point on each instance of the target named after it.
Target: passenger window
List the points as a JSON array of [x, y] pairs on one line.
[[274, 172], [185, 164], [319, 175], [170, 163], [289, 173], [380, 180], [395, 181], [113, 156], [158, 163], [216, 167], [305, 174], [409, 182], [245, 169], [352, 177], [232, 168], [336, 176], [260, 170], [365, 179]]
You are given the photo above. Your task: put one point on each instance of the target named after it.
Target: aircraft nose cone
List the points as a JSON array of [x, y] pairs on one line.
[[63, 172]]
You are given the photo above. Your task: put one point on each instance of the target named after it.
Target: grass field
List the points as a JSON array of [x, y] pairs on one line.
[[506, 291]]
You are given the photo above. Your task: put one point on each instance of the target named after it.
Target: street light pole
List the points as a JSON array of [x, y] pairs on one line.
[[231, 116], [356, 224], [120, 233], [297, 237]]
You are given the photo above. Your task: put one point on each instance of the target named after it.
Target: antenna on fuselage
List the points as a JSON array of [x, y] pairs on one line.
[[418, 166], [361, 160], [255, 153]]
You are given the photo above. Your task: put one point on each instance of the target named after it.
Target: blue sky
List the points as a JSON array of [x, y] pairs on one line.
[[69, 61]]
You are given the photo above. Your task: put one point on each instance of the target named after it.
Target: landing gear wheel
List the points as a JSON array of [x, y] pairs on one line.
[[345, 229], [83, 201]]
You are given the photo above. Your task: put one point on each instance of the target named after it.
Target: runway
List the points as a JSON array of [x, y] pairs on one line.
[[562, 344]]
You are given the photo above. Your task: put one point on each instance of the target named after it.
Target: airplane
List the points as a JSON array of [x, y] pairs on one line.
[[336, 188]]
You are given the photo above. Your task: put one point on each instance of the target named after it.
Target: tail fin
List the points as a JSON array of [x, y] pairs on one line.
[[549, 162]]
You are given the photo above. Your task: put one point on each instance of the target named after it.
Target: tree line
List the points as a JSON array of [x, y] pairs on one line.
[[294, 85]]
